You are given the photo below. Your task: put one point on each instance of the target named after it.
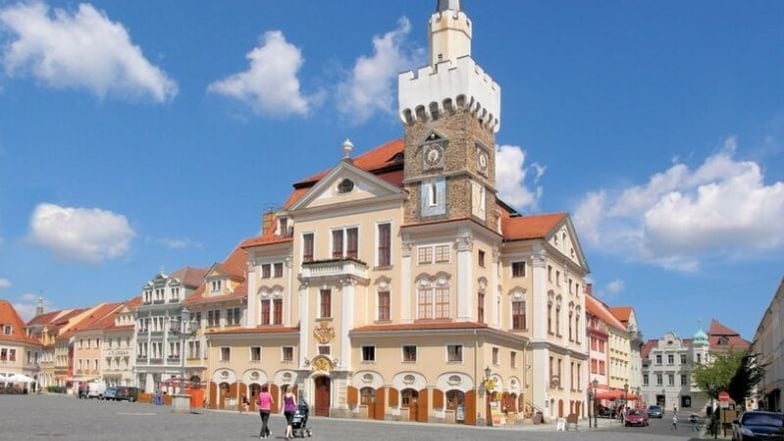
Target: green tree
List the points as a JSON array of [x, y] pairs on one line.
[[736, 372], [750, 372]]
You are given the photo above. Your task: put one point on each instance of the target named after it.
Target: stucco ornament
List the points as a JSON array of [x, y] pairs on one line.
[[324, 333], [321, 364]]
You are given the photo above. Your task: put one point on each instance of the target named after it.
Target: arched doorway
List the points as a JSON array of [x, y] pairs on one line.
[[322, 402], [455, 402], [253, 394], [408, 399], [367, 398]]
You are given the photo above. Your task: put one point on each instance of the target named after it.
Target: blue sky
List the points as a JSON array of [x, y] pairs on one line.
[[137, 136]]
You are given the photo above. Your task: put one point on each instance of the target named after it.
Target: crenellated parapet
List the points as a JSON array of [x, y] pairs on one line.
[[434, 91]]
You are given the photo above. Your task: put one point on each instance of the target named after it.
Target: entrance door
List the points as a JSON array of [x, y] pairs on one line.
[[322, 403], [408, 398], [367, 397]]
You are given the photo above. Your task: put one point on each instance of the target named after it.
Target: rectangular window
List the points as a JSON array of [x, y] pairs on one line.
[[307, 247], [594, 368], [454, 353], [287, 353], [326, 303], [658, 359], [277, 318], [495, 356], [266, 271], [425, 303], [442, 253], [683, 358], [671, 380], [232, 316], [442, 303], [480, 307], [324, 349], [644, 379], [659, 381], [409, 353], [352, 242], [255, 353], [424, 255], [383, 306], [481, 258], [384, 244], [670, 359], [601, 367], [225, 353], [518, 315], [684, 380], [518, 269], [337, 244], [513, 359], [278, 269], [368, 353], [265, 312]]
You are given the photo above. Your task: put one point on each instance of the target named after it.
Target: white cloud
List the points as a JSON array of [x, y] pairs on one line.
[[179, 244], [614, 287], [88, 235], [511, 172], [270, 85], [680, 216], [371, 85], [82, 50], [4, 283]]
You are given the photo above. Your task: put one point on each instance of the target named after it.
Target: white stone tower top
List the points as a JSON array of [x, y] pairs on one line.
[[453, 78]]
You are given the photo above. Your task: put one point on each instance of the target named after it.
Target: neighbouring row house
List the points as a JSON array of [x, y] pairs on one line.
[[768, 343], [19, 352]]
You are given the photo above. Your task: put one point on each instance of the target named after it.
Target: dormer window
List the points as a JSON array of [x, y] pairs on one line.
[[7, 329], [345, 186], [283, 225], [216, 286]]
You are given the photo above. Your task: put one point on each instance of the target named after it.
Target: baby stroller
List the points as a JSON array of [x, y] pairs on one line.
[[299, 422]]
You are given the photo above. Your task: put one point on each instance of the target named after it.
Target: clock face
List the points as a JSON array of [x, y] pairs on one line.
[[482, 160], [433, 155]]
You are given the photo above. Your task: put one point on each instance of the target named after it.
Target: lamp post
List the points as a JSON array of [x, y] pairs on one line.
[[595, 383], [488, 396], [590, 397], [183, 327], [625, 397]]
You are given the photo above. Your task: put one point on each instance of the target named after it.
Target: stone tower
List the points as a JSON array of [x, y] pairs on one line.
[[451, 112]]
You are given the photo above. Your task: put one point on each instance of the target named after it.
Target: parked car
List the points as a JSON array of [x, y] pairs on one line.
[[635, 417], [655, 411], [110, 393], [96, 390], [755, 425], [127, 393]]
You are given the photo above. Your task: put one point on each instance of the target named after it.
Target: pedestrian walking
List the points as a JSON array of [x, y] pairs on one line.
[[694, 423], [674, 422], [289, 407], [264, 402], [245, 404]]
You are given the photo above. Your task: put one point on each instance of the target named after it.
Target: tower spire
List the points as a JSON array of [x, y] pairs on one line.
[[449, 5]]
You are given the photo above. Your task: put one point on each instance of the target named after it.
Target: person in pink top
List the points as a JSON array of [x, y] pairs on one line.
[[265, 403]]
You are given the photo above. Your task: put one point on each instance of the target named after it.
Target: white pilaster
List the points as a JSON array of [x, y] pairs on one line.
[[405, 286], [493, 293], [346, 322], [539, 298], [252, 302], [304, 323]]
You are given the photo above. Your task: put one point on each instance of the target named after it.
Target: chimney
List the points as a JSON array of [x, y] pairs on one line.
[[267, 221], [589, 289]]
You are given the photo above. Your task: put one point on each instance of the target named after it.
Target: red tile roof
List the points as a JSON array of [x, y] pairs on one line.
[[530, 227], [9, 316], [723, 338], [596, 307], [647, 347], [374, 160], [256, 330], [622, 313], [87, 323], [234, 266], [189, 276]]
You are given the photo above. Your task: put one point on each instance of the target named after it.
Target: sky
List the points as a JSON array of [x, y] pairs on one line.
[[145, 136]]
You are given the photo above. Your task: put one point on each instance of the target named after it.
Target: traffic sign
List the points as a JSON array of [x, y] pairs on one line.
[[724, 397]]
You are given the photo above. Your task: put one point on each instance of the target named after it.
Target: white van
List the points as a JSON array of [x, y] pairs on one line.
[[96, 390]]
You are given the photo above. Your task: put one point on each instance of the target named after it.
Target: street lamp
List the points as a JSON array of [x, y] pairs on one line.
[[184, 327], [595, 383], [590, 397], [488, 391], [625, 395]]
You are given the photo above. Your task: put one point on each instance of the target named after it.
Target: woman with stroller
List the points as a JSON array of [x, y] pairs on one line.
[[265, 403], [289, 407]]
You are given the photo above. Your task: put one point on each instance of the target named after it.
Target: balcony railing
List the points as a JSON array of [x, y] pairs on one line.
[[335, 268]]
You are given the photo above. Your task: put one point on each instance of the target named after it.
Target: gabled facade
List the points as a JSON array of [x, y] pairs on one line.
[[396, 285], [603, 327], [157, 347], [627, 316], [19, 352], [85, 344]]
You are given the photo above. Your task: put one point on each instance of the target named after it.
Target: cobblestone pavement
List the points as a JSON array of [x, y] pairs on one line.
[[56, 417]]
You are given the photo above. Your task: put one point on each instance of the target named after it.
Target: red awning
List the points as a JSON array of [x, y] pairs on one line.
[[615, 394]]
